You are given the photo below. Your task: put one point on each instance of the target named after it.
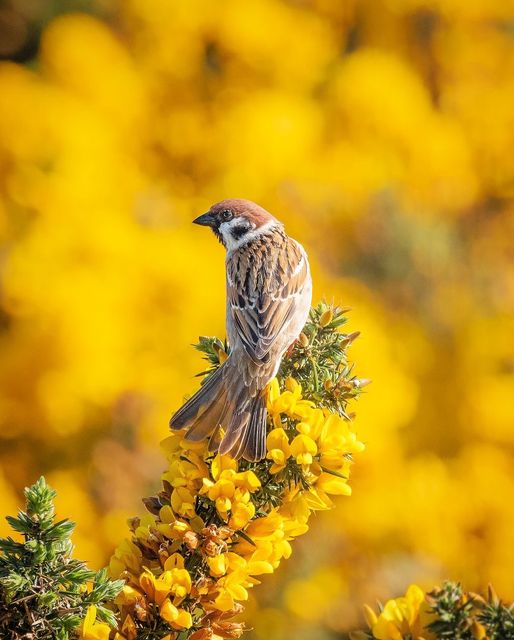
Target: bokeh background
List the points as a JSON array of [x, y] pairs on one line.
[[382, 133]]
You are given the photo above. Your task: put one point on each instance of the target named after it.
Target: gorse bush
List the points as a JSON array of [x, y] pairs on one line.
[[446, 613], [44, 592], [218, 524]]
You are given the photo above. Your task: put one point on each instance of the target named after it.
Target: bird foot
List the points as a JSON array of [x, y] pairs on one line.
[[290, 349]]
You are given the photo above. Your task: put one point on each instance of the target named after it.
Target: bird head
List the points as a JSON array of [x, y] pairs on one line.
[[235, 221]]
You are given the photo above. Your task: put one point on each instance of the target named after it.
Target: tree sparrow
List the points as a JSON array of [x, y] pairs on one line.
[[269, 291]]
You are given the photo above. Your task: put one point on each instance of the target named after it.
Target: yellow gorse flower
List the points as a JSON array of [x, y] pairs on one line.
[[303, 449], [169, 590], [402, 617], [444, 612], [279, 450], [92, 630], [231, 491]]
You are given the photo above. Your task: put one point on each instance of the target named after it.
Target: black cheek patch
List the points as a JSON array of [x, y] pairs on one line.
[[238, 232]]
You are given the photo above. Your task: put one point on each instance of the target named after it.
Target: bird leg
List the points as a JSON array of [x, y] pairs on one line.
[[290, 349]]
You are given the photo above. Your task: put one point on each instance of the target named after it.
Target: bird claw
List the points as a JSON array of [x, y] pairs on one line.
[[290, 349]]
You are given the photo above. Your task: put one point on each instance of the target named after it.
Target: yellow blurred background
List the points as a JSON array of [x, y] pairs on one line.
[[382, 133]]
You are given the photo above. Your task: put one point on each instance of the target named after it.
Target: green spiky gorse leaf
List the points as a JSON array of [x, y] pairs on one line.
[[44, 592]]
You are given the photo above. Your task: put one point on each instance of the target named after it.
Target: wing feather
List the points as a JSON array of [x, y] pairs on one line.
[[263, 290]]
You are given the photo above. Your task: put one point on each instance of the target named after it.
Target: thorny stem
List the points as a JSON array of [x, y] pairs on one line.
[[314, 374]]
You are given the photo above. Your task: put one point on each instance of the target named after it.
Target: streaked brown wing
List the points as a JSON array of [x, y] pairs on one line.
[[263, 293]]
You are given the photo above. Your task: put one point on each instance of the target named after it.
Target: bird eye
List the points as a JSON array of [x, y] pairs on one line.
[[226, 215]]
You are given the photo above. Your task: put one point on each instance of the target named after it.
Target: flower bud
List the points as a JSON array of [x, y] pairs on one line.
[[220, 352], [303, 340], [290, 384], [191, 540], [326, 318], [370, 616], [492, 596], [351, 337], [478, 631]]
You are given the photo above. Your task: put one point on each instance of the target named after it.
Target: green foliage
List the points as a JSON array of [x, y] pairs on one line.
[[459, 613], [213, 350], [44, 592], [495, 616], [317, 360], [454, 613]]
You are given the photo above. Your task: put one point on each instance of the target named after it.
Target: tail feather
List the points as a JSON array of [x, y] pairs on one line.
[[236, 423], [202, 400], [232, 441], [209, 419], [225, 401], [255, 436], [214, 440], [246, 433]]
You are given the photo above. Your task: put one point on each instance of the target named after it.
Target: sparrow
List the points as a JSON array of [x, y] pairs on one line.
[[269, 293]]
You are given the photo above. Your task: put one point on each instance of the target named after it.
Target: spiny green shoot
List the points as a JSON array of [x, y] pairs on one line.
[[43, 590]]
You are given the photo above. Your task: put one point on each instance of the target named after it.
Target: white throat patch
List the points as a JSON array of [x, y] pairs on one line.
[[226, 229]]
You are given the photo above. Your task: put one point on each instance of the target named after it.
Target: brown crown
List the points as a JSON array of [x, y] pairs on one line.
[[244, 208]]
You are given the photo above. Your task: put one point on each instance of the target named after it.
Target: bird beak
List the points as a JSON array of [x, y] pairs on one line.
[[206, 220]]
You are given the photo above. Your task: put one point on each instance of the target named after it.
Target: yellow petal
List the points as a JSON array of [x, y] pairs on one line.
[[147, 582], [273, 391], [183, 620], [90, 618], [415, 594], [217, 565], [277, 439], [168, 611], [249, 480], [166, 514], [173, 562], [303, 444], [370, 616], [256, 568], [333, 485], [224, 601], [222, 463]]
